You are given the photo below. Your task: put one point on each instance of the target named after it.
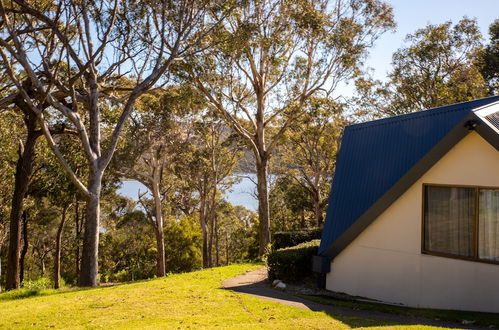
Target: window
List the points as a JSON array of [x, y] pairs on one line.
[[461, 222]]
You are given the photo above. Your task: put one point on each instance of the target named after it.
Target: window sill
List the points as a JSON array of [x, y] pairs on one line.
[[451, 256]]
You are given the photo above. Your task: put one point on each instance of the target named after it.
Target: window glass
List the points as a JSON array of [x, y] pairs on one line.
[[488, 224], [449, 220]]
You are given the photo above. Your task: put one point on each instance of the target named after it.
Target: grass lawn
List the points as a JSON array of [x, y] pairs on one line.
[[192, 300]]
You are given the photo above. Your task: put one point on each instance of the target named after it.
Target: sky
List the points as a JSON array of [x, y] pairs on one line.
[[409, 15]]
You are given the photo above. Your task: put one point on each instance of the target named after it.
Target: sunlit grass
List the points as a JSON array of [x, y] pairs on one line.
[[192, 300]]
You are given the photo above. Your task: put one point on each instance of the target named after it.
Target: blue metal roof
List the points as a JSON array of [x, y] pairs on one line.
[[375, 155]]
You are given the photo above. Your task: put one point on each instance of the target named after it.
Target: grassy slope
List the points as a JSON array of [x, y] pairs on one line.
[[177, 301]]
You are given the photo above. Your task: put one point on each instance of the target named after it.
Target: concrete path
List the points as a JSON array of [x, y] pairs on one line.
[[255, 283]]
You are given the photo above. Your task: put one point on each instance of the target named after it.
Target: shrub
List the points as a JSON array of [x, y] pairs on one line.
[[292, 264], [284, 239], [183, 245]]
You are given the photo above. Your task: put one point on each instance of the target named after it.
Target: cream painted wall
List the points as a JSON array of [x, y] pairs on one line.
[[385, 262]]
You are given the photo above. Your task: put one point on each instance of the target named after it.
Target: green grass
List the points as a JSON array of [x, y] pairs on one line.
[[192, 300], [478, 319]]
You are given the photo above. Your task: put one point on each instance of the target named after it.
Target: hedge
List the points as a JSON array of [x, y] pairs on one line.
[[284, 239], [292, 264]]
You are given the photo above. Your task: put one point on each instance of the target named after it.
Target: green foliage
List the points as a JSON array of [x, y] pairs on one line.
[[236, 234], [439, 66], [292, 264], [183, 242], [284, 239], [273, 56], [127, 252], [305, 165], [490, 59], [10, 133]]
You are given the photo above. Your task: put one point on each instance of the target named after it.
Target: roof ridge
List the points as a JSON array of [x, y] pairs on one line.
[[398, 119], [427, 113]]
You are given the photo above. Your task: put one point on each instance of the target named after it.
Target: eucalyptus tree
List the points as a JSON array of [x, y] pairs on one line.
[[22, 176], [221, 153], [276, 54], [11, 132], [50, 186], [208, 161], [309, 154], [156, 133], [490, 59], [439, 65], [83, 50]]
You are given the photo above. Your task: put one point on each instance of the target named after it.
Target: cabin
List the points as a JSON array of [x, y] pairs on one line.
[[413, 216]]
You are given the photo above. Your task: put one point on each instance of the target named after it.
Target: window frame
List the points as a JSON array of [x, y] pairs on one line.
[[475, 257]]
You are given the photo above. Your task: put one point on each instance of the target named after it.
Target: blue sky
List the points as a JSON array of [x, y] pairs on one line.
[[411, 15]]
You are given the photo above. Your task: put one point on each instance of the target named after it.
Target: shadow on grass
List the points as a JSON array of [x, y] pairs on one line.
[[475, 319], [27, 293], [351, 316], [32, 293]]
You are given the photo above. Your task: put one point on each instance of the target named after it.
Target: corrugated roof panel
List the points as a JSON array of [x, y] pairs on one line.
[[375, 155]]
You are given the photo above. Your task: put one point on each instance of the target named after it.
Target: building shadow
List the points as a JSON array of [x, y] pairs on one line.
[[355, 318]]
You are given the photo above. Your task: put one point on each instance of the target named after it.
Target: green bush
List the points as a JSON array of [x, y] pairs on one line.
[[183, 245], [284, 239], [292, 264]]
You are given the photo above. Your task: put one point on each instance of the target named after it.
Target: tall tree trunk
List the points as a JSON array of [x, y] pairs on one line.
[[160, 257], [226, 249], [160, 241], [57, 253], [1, 243], [206, 262], [24, 168], [77, 233], [217, 252], [25, 247], [211, 235], [263, 204], [202, 222], [89, 259]]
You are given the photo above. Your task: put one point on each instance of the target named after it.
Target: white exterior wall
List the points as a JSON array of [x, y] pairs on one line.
[[385, 261]]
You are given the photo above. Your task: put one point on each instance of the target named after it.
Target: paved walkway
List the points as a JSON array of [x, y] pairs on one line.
[[255, 283]]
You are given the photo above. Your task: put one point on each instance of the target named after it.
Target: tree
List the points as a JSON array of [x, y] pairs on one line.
[[207, 161], [309, 155], [51, 186], [236, 236], [22, 177], [291, 204], [279, 53], [11, 123], [24, 169], [438, 67], [83, 51], [183, 243], [128, 249], [490, 59], [156, 133]]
